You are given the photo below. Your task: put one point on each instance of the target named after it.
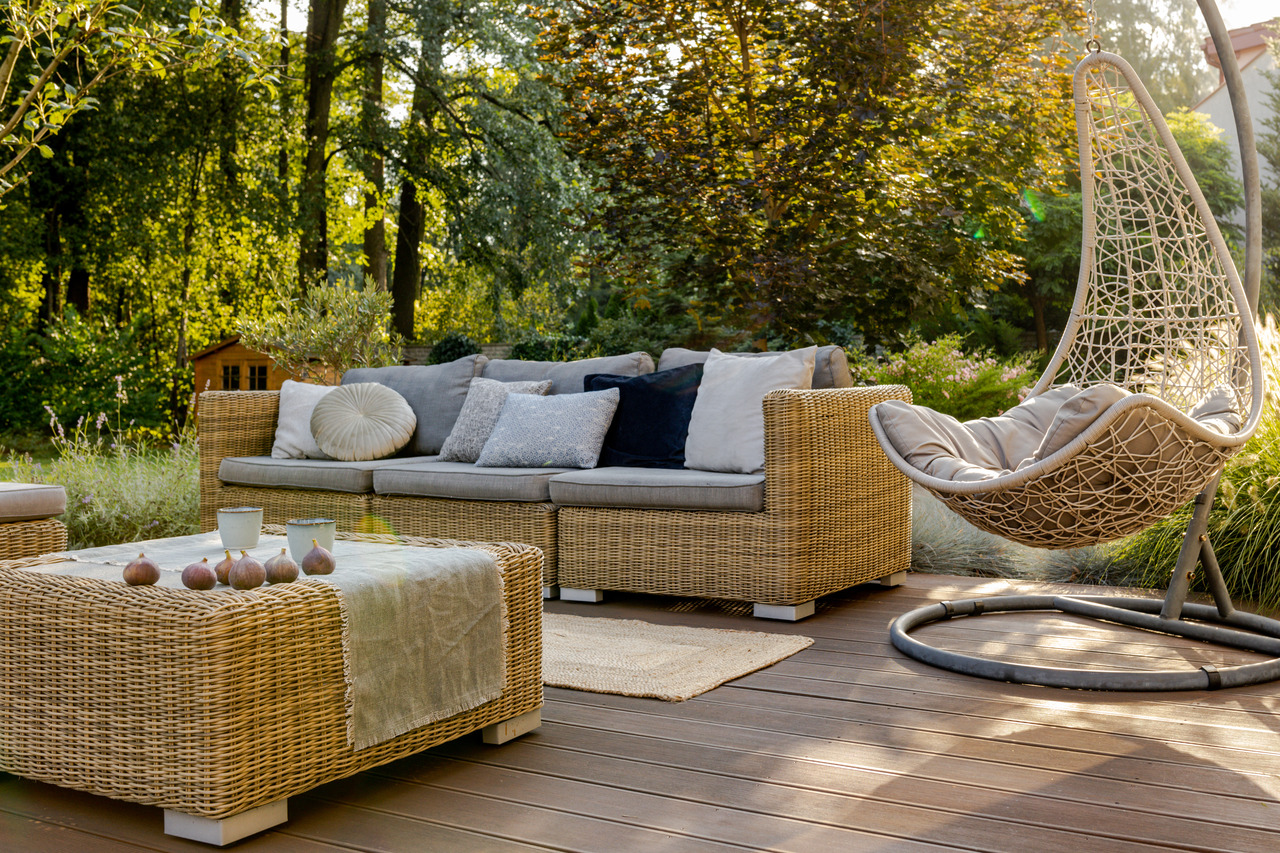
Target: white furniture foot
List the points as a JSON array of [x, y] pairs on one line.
[[227, 830], [501, 732], [783, 612], [568, 593], [551, 592], [895, 579]]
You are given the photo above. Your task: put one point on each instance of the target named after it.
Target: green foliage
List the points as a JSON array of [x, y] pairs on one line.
[[1051, 251], [780, 163], [83, 366], [118, 490], [945, 378], [65, 50], [326, 333], [550, 347], [587, 320], [451, 347], [1244, 523]]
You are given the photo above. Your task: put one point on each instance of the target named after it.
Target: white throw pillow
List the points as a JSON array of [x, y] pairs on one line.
[[293, 424], [726, 430], [362, 421]]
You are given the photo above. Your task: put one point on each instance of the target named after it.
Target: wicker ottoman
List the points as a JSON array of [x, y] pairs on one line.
[[27, 524], [216, 706]]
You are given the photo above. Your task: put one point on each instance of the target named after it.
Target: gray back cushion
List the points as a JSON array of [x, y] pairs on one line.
[[435, 392], [830, 368], [567, 376]]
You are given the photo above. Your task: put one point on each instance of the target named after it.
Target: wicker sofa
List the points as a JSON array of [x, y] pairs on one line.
[[828, 513]]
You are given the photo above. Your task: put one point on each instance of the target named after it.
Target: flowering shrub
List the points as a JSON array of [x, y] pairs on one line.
[[118, 489], [943, 377]]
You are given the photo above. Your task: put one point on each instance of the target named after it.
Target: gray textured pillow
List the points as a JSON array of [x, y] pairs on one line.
[[435, 392], [362, 421], [726, 429], [479, 414], [293, 424], [565, 431], [567, 376]]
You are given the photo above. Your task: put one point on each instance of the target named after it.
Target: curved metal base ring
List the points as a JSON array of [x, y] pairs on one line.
[[1136, 612]]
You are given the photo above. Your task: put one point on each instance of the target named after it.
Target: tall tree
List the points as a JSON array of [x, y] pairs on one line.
[[324, 23], [477, 152], [782, 163], [1162, 40], [375, 231]]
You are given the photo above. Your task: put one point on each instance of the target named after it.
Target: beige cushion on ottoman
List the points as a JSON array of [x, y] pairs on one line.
[[30, 502]]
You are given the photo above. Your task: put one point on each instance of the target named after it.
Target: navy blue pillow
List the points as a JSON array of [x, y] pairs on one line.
[[652, 419]]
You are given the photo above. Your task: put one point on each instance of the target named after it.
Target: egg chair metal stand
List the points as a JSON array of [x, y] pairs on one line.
[[1160, 311]]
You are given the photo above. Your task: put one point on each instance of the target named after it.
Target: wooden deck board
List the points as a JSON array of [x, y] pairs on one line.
[[846, 746]]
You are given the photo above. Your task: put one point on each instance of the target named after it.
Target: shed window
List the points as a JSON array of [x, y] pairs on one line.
[[230, 377], [257, 377]]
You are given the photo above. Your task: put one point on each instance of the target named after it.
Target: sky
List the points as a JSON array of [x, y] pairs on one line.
[[1242, 13]]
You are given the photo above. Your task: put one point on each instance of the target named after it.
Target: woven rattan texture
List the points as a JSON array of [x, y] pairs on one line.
[[31, 538], [210, 703], [837, 513], [1156, 313], [480, 521], [1143, 468], [1159, 310]]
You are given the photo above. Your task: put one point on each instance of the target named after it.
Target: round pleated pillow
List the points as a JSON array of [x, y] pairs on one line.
[[362, 421]]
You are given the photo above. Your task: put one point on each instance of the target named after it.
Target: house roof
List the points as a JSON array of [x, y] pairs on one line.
[[1243, 39], [212, 348]]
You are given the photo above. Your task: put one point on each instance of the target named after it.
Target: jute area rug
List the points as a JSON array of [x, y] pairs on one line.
[[670, 662]]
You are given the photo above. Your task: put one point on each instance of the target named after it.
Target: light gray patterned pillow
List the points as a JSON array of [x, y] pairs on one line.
[[563, 431], [479, 414]]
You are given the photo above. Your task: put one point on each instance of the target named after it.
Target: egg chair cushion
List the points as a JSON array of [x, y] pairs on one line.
[[942, 446], [362, 421]]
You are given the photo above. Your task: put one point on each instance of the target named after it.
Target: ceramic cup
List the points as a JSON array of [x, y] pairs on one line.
[[302, 530], [240, 526]]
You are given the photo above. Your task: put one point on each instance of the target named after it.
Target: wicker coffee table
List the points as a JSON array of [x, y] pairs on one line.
[[216, 706]]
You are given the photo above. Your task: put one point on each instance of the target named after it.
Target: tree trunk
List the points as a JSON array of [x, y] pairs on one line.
[[323, 23], [375, 235], [1042, 333], [51, 278], [188, 243], [282, 166], [231, 105], [78, 288], [405, 274], [409, 229]]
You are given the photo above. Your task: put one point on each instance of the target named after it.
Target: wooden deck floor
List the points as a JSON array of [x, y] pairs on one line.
[[845, 746]]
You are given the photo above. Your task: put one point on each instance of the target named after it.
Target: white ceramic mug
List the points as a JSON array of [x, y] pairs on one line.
[[240, 526], [302, 530]]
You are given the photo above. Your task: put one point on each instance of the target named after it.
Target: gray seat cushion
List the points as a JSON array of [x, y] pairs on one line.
[[567, 376], [464, 481], [435, 393], [830, 366], [325, 475], [30, 502], [659, 488]]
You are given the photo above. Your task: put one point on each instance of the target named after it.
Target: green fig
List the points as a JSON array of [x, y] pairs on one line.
[[318, 560], [247, 573], [141, 572], [199, 575], [281, 568], [224, 568]]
